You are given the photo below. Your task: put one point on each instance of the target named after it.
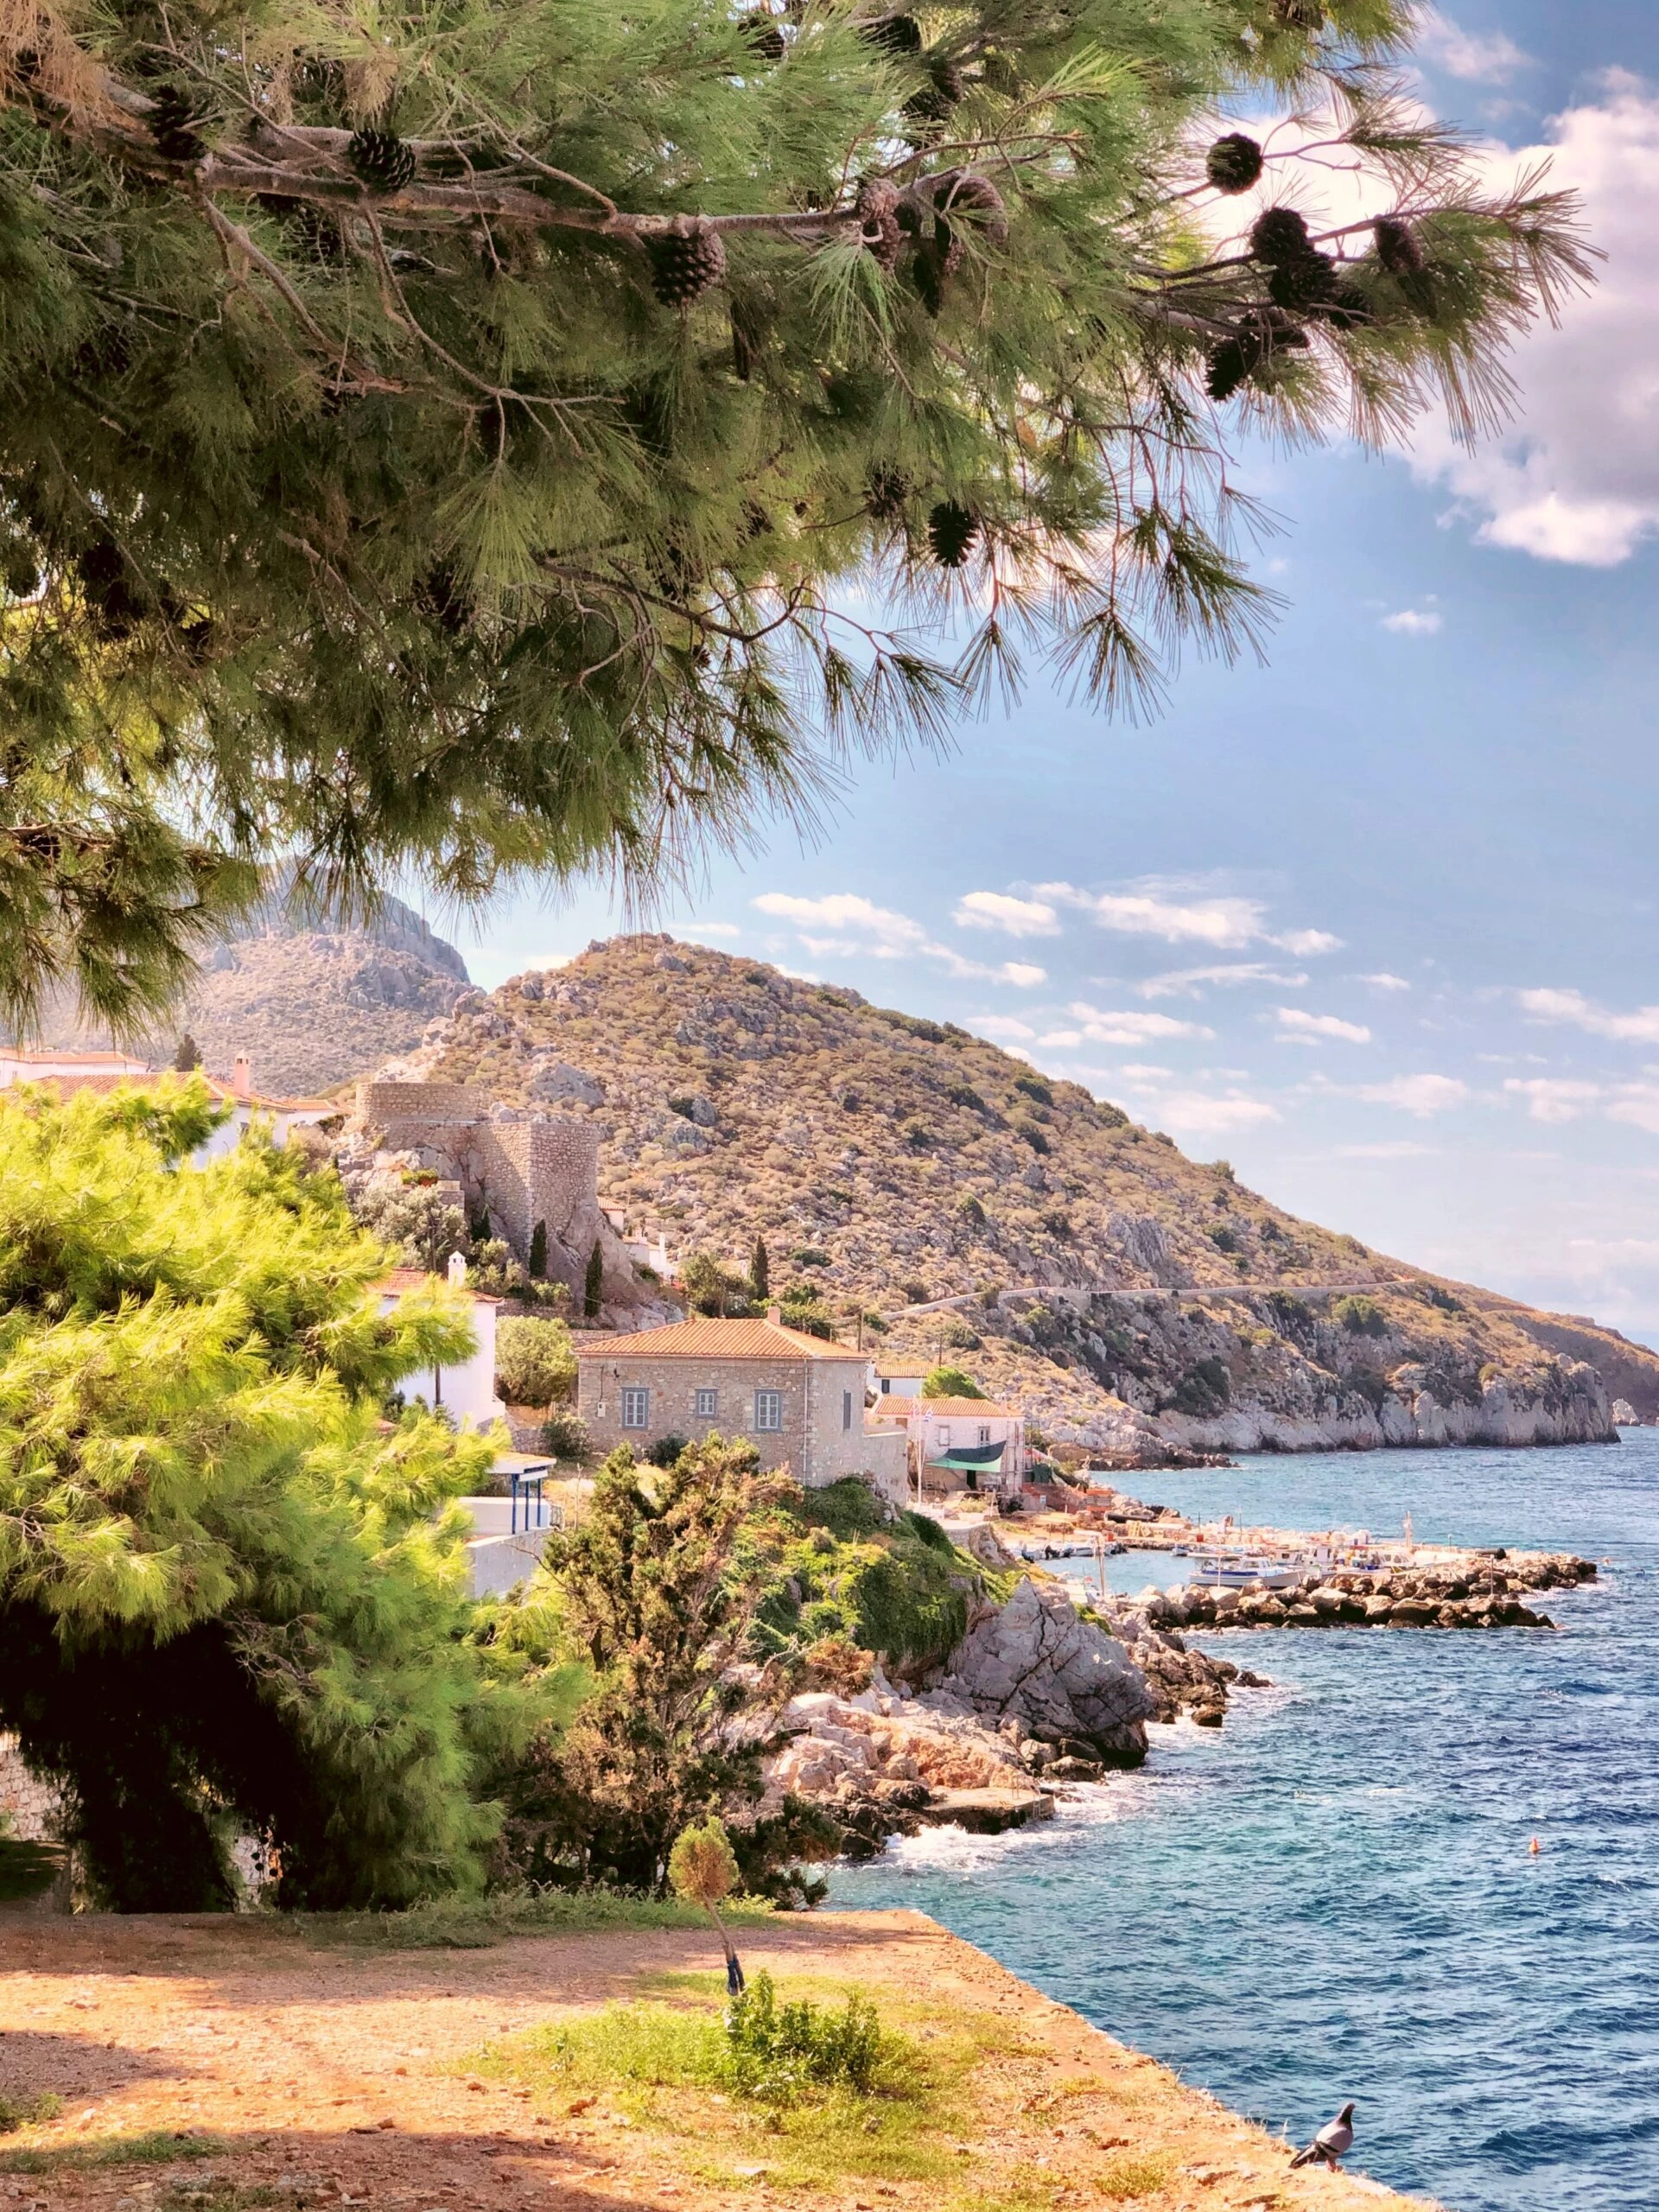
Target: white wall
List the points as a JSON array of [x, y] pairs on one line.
[[467, 1392]]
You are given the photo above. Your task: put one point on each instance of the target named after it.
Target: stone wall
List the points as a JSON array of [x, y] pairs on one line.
[[384, 1104], [28, 1807]]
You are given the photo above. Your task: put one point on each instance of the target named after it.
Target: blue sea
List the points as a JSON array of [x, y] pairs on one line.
[[1333, 1897]]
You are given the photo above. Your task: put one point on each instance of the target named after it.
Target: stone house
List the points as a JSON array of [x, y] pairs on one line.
[[958, 1444], [797, 1398]]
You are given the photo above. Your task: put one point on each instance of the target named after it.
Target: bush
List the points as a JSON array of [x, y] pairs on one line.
[[774, 2052], [951, 1382], [969, 1209], [565, 1437], [666, 1451], [958, 1337], [964, 1095], [535, 1362], [1360, 1316], [28, 2112], [1224, 1239], [1034, 1087], [917, 1135], [1032, 1135], [809, 1256]]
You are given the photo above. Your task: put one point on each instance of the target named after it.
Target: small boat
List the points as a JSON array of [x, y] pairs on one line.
[[1237, 1570]]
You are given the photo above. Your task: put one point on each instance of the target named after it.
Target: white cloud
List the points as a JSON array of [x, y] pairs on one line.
[[1384, 982], [1140, 1071], [1641, 1027], [545, 962], [864, 930], [996, 910], [1061, 1041], [1411, 622], [1004, 1028], [1182, 914], [1638, 1104], [1422, 1095], [1189, 982], [880, 932], [1576, 479], [1553, 1098], [700, 930], [1297, 1026], [1304, 942], [1476, 57], [1101, 1026], [1198, 1114]]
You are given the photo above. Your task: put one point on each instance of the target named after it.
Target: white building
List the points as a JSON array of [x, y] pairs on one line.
[[66, 1073], [958, 1444], [467, 1391]]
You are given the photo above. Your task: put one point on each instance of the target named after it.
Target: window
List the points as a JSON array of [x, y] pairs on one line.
[[984, 1434], [707, 1404], [846, 1409], [944, 1436], [769, 1409], [635, 1409]]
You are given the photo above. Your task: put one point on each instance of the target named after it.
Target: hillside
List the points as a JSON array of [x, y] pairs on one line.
[[895, 1162], [310, 1007]]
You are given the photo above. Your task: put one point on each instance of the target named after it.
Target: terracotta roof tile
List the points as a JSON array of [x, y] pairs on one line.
[[894, 1408], [398, 1279], [718, 1340]]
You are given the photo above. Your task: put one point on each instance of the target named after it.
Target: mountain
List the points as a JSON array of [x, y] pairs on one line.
[[1128, 1297], [311, 1006]]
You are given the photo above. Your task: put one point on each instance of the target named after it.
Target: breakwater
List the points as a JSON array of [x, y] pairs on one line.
[[1464, 1593]]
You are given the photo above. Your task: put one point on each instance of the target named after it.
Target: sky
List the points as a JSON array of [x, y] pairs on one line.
[[1377, 920]]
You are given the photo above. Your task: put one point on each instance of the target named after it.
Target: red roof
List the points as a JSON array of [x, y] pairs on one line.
[[896, 1408], [396, 1281], [718, 1340]]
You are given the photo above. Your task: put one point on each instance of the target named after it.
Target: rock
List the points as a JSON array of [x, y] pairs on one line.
[[1410, 1612], [1038, 1661], [984, 1543], [987, 1812], [552, 1078]]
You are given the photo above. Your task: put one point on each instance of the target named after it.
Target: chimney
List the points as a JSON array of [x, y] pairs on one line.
[[242, 1076], [457, 1270], [775, 1315]]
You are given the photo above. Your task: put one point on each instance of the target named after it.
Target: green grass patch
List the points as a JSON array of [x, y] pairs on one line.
[[26, 1869], [161, 2147], [1129, 2176], [833, 2096], [28, 2112], [474, 1924]]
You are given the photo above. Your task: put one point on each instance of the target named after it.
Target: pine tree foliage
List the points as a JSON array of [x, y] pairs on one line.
[[228, 1596], [451, 441]]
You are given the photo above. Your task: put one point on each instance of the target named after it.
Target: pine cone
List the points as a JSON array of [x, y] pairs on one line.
[[975, 196], [172, 119], [685, 261], [1279, 235], [1347, 308], [1397, 248], [886, 490], [936, 262], [1310, 281], [894, 34], [942, 91], [877, 208], [1230, 366], [1233, 163], [950, 534], [380, 159]]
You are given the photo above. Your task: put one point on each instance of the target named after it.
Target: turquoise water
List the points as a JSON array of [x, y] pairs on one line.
[[1333, 1897]]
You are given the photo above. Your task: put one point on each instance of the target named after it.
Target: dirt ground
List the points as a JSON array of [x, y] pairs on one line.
[[341, 2076]]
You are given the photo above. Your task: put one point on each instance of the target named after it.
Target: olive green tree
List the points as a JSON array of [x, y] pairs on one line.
[[475, 440]]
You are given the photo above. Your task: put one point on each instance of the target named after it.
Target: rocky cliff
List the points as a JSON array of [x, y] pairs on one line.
[[1131, 1300], [312, 1006]]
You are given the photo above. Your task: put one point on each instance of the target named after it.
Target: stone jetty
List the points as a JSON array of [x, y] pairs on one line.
[[1467, 1592]]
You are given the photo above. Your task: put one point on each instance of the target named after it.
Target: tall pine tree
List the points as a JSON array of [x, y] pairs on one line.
[[760, 1272], [470, 447], [593, 1288]]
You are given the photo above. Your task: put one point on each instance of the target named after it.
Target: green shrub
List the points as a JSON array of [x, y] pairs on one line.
[[566, 1437], [917, 1135], [535, 1362], [776, 2052], [964, 1095], [666, 1451], [969, 1209], [809, 1256], [1034, 1087], [1032, 1135], [1224, 1239], [958, 1337], [1360, 1316], [951, 1382]]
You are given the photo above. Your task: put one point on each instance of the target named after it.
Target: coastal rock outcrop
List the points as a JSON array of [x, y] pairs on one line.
[[1040, 1663], [1489, 1594]]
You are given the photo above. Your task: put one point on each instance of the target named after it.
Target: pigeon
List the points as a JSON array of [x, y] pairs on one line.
[[1332, 2143]]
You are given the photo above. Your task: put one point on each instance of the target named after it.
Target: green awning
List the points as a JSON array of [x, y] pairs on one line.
[[970, 1457]]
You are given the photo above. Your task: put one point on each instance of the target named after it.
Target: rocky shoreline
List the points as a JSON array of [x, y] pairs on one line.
[[1055, 1687]]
